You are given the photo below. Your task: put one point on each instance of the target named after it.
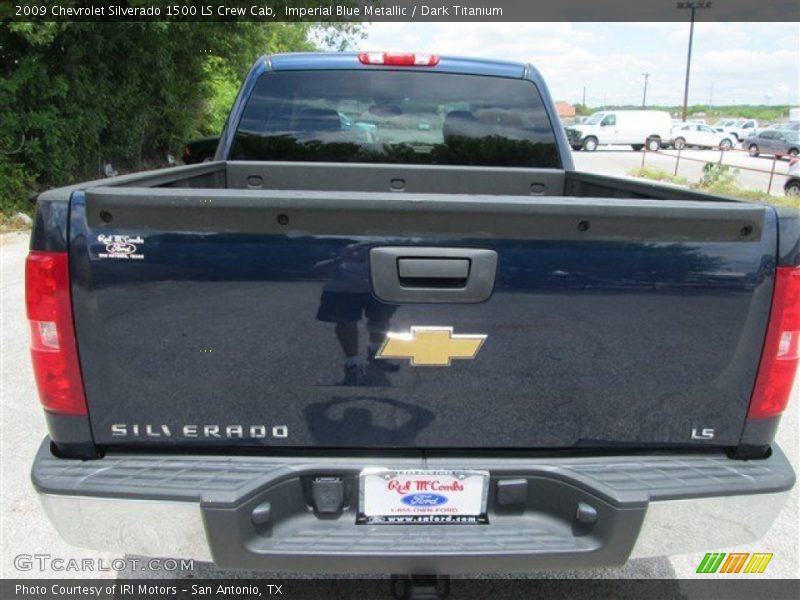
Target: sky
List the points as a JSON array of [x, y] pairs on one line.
[[732, 63]]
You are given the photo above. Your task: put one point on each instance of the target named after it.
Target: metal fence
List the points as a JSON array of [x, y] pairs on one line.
[[719, 160]]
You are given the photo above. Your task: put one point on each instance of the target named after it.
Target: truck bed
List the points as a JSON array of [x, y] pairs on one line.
[[353, 177]]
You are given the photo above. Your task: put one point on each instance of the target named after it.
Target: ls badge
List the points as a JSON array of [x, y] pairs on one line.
[[431, 346]]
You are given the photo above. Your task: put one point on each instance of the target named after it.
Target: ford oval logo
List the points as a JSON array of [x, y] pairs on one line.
[[120, 248], [424, 500]]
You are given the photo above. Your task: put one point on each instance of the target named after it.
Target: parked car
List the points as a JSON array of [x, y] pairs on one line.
[[775, 142], [636, 128], [700, 136], [724, 124], [741, 128], [792, 185], [737, 129], [312, 354]]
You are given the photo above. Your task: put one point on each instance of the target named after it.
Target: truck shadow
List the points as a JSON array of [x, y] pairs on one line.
[[365, 420]]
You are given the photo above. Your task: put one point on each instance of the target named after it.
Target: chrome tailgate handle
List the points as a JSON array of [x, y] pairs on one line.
[[433, 272], [404, 274]]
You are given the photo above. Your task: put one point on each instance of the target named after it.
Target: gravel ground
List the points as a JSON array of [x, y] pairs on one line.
[[24, 529]]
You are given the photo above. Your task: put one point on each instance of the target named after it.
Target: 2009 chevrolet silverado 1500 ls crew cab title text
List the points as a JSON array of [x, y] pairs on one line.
[[391, 329]]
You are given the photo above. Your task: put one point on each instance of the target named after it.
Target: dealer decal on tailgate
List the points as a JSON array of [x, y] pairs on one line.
[[422, 497]]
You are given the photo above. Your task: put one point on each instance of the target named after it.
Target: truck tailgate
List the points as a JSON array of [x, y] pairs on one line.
[[216, 318]]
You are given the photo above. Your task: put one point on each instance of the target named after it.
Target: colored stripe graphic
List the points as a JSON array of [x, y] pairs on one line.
[[758, 562], [713, 562], [734, 562]]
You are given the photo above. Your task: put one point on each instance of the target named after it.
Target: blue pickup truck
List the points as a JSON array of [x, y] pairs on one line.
[[390, 328]]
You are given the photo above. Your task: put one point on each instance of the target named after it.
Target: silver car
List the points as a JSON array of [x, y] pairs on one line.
[[777, 142]]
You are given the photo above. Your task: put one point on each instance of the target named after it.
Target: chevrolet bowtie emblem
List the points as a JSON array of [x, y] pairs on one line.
[[431, 346]]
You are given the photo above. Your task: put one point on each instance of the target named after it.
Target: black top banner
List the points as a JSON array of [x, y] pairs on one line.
[[401, 10]]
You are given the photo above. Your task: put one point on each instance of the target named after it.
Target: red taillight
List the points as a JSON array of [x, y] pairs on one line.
[[398, 60], [53, 349], [781, 351]]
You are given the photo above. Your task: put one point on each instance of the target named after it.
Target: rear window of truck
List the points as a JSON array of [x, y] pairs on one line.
[[408, 117]]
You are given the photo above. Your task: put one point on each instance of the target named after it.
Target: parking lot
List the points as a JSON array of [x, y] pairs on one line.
[[619, 160], [25, 529]]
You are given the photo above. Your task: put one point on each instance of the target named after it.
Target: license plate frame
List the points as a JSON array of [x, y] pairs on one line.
[[381, 494]]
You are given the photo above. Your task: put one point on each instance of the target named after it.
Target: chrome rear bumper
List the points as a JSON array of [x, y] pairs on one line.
[[201, 507]]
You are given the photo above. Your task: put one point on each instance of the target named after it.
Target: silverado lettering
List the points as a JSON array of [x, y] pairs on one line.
[[194, 431]]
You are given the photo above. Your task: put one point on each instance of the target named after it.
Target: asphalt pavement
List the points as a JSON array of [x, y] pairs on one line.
[[25, 530]]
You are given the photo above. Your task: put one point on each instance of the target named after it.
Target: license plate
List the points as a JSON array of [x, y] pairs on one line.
[[422, 496]]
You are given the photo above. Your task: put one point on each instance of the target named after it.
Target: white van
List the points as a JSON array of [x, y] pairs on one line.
[[636, 128]]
